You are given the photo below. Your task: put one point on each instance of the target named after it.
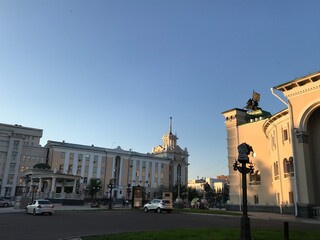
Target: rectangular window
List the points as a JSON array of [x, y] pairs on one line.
[[285, 135], [143, 170], [4, 144], [288, 167], [12, 167], [156, 171], [256, 199], [276, 170], [62, 155], [16, 145], [137, 169], [71, 157], [70, 169], [14, 156], [79, 169], [150, 170], [130, 171], [291, 199], [10, 178], [255, 178]]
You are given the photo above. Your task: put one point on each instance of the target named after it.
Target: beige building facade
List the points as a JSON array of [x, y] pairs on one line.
[[127, 168], [286, 166], [73, 165]]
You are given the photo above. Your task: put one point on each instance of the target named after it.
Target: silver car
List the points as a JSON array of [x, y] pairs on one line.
[[5, 202], [158, 205], [40, 206]]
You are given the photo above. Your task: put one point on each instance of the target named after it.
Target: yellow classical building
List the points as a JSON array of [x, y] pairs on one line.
[[286, 168]]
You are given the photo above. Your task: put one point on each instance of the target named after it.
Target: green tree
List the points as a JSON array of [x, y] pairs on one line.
[[95, 185], [183, 191], [159, 191], [225, 193], [192, 193]]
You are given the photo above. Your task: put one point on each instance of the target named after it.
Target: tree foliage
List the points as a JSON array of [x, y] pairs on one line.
[[192, 193], [95, 185], [183, 191]]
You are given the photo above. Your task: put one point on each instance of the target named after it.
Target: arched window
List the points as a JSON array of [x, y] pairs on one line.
[[117, 170], [291, 166], [255, 178], [288, 168]]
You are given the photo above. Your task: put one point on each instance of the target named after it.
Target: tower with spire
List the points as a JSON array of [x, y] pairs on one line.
[[169, 140], [179, 157]]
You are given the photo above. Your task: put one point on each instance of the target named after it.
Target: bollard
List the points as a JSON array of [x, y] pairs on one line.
[[286, 230]]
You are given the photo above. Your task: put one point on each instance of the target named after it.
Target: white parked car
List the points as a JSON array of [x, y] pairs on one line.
[[40, 206], [158, 205], [5, 202]]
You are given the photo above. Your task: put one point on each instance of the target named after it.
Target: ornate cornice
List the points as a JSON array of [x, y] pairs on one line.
[[300, 85]]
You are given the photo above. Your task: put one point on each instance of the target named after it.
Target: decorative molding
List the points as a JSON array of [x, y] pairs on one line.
[[302, 91], [302, 137]]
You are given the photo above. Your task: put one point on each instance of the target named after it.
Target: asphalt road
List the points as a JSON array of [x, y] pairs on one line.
[[67, 224]]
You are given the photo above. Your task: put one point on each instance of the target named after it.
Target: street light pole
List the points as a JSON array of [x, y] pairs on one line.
[[111, 185], [178, 201], [240, 165]]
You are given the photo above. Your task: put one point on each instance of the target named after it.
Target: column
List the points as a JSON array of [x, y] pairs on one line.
[[159, 174], [31, 186], [133, 183], [74, 186], [53, 184], [40, 185], [152, 174], [147, 173]]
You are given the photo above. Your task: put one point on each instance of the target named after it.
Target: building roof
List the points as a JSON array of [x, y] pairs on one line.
[[298, 82], [274, 118], [91, 148]]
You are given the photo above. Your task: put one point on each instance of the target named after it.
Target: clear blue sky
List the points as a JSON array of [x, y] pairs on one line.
[[111, 73]]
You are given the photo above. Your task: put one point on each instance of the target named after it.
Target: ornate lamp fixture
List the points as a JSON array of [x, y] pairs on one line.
[[241, 165]]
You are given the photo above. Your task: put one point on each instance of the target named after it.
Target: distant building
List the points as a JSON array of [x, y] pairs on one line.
[[73, 165], [171, 150], [215, 183], [286, 169], [19, 150], [127, 168]]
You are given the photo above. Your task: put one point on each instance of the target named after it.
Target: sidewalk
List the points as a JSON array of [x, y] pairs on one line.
[[282, 217]]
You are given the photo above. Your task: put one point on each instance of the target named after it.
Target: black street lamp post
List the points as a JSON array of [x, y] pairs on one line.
[[241, 166], [128, 192], [111, 186], [33, 185]]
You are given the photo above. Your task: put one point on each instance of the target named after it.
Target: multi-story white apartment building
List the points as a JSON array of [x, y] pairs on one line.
[[19, 150], [286, 169]]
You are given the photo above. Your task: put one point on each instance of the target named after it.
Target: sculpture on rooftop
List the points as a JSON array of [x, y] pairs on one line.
[[252, 103]]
